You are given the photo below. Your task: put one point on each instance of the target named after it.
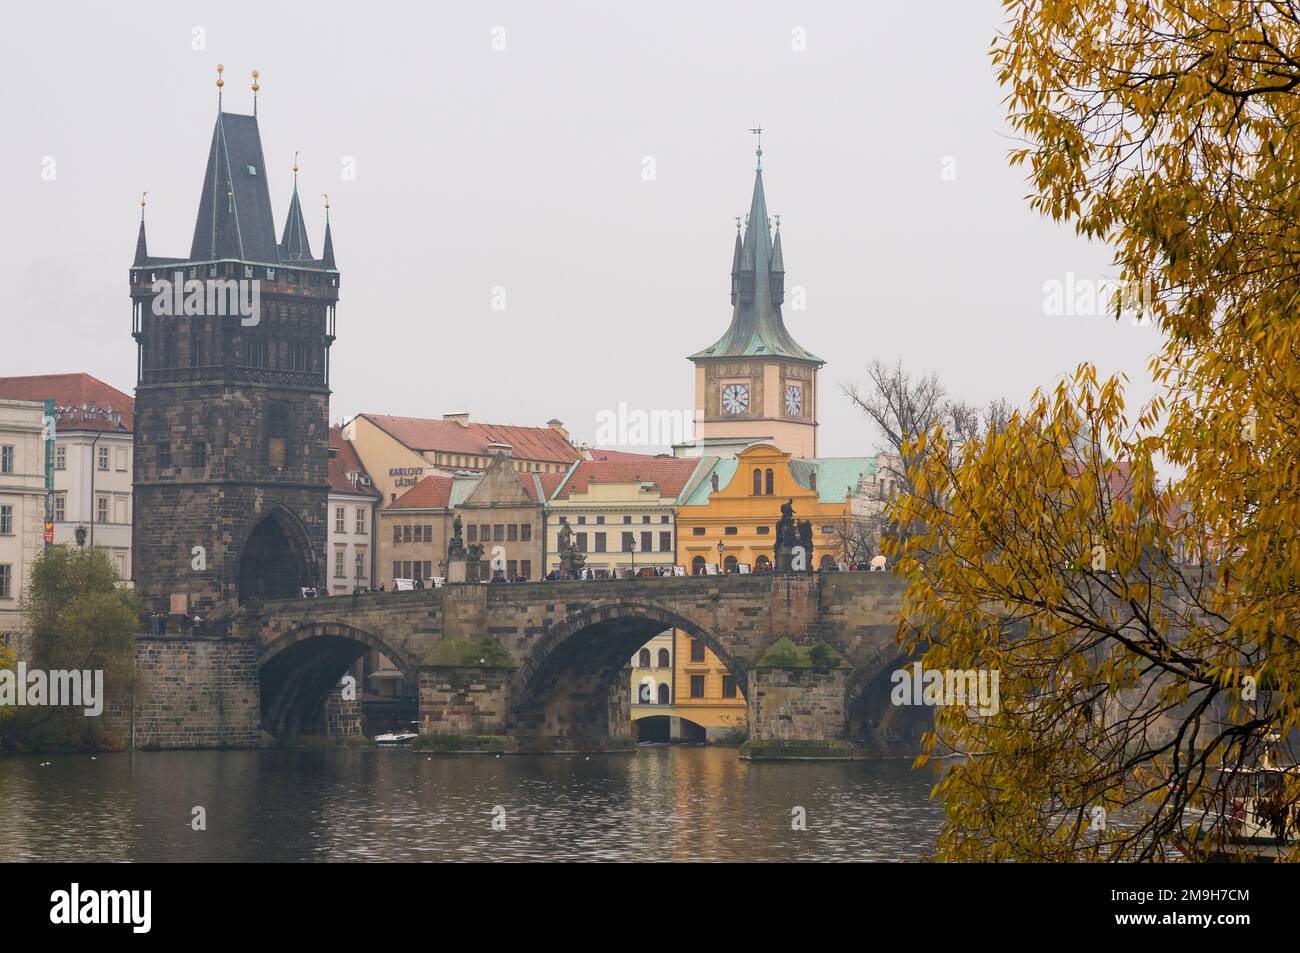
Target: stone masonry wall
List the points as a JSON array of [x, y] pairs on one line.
[[195, 693], [796, 704], [464, 700]]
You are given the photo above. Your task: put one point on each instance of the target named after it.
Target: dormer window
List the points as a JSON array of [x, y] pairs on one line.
[[252, 169]]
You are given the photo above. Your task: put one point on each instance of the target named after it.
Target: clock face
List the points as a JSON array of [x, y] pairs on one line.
[[735, 398], [793, 400]]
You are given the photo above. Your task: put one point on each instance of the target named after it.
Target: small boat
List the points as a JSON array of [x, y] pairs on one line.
[[1255, 820], [402, 736]]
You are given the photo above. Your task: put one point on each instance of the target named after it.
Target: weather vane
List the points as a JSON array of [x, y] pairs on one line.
[[759, 152]]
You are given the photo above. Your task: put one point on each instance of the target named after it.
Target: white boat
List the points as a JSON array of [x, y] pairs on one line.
[[401, 737]]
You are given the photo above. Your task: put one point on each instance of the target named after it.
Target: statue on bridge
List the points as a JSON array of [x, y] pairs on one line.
[[456, 545], [571, 561], [789, 536]]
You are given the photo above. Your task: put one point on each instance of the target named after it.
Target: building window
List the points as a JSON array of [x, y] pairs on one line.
[[526, 532], [697, 686], [627, 519], [60, 506], [60, 458], [6, 581], [277, 439], [471, 533], [600, 520], [730, 531], [101, 509], [164, 456], [697, 530], [200, 456], [526, 568], [666, 542], [120, 465], [728, 686], [406, 533], [6, 520], [498, 532], [339, 520], [397, 534], [361, 573], [512, 569], [663, 519], [338, 563], [664, 659], [581, 520], [697, 566], [7, 459], [627, 542], [763, 530], [768, 483], [758, 482], [484, 532], [664, 697], [397, 569], [643, 658], [697, 650], [600, 542], [361, 521], [647, 542], [512, 533], [580, 541]]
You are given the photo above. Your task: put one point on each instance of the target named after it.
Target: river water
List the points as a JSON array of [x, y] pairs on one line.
[[660, 804]]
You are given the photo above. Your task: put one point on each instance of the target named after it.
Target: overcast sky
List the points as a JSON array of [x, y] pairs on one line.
[[523, 168]]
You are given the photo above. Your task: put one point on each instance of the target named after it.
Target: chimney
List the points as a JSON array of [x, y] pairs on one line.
[[461, 418], [558, 427]]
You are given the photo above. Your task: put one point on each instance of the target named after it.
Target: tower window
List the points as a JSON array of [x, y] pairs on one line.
[[277, 434]]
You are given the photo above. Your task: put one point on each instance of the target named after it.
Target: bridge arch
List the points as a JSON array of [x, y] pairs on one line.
[[572, 689], [275, 557], [300, 667]]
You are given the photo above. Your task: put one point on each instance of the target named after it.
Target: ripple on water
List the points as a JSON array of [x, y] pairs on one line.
[[661, 804]]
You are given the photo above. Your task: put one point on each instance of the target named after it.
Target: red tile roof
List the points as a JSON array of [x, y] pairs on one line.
[[668, 473], [624, 455], [433, 492], [344, 460], [81, 402], [448, 436]]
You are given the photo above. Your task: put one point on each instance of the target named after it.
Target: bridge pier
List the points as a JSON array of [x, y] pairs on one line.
[[798, 713]]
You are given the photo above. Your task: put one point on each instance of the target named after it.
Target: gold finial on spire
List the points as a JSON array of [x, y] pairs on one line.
[[256, 87], [296, 153], [778, 222], [220, 82], [143, 196], [759, 151], [326, 196]]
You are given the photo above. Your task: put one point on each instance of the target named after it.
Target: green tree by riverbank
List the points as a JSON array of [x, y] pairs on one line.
[[80, 620]]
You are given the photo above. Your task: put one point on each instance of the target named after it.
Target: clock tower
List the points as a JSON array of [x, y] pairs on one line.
[[756, 382]]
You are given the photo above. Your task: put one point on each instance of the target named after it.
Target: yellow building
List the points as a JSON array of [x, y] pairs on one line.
[[727, 523]]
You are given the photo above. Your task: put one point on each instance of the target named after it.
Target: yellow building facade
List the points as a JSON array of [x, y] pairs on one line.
[[727, 523]]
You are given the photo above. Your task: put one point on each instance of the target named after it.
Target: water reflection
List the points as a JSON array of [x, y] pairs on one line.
[[661, 804]]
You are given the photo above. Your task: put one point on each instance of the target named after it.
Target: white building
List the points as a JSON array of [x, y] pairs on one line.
[[352, 501], [92, 459], [22, 511]]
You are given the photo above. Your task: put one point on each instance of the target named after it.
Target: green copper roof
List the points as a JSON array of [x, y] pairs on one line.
[[837, 477], [758, 270]]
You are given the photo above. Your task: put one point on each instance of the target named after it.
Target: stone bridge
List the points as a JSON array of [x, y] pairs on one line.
[[545, 666]]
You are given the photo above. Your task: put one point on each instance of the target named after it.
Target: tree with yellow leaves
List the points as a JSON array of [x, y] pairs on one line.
[[1147, 635]]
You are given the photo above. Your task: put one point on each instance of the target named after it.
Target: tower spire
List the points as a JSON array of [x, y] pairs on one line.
[[294, 245], [327, 256], [141, 246], [256, 87]]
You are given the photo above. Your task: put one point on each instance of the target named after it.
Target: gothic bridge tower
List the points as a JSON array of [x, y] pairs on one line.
[[232, 392]]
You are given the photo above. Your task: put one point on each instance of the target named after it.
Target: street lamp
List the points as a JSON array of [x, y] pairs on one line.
[[360, 569], [720, 568], [631, 545]]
